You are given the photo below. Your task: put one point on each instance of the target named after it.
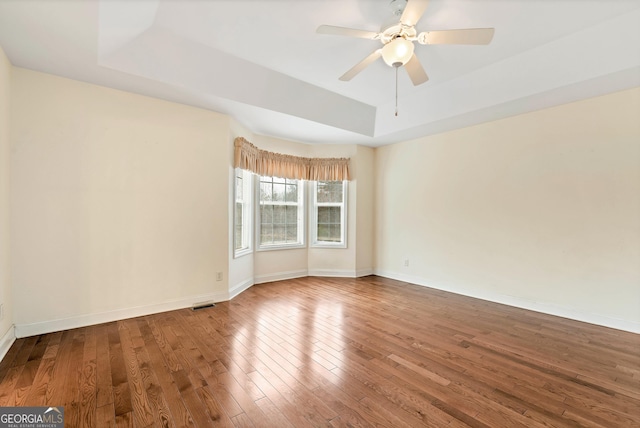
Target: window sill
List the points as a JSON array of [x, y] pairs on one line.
[[337, 245], [242, 252], [281, 247]]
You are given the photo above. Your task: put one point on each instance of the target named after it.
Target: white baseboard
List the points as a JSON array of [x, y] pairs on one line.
[[6, 341], [279, 276], [518, 302], [344, 273], [364, 272], [340, 273], [239, 288], [33, 329]]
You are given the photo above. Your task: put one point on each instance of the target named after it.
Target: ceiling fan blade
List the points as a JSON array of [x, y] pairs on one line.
[[349, 32], [469, 36], [413, 11], [415, 71], [361, 65]]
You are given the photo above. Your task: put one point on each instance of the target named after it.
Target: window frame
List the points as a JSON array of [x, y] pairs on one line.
[[247, 211], [313, 221], [301, 217]]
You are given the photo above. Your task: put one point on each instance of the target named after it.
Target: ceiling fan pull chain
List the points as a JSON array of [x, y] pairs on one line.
[[397, 90]]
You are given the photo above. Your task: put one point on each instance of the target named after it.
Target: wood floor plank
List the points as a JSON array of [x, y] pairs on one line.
[[154, 393], [53, 346], [125, 420], [158, 366], [87, 394], [287, 407], [320, 352], [39, 347], [214, 411], [73, 381], [8, 385], [105, 416], [141, 410], [104, 384], [119, 380], [7, 362], [38, 390], [25, 350], [56, 386]]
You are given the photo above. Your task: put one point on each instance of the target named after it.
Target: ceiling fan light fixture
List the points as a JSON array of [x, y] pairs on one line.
[[397, 52]]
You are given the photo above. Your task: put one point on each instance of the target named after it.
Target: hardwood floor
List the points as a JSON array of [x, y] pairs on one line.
[[333, 352]]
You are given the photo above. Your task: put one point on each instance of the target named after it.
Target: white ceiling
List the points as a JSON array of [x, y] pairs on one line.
[[261, 61]]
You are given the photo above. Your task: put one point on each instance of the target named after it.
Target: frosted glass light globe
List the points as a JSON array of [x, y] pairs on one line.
[[397, 52]]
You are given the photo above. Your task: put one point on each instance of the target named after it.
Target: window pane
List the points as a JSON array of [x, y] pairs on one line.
[[239, 188], [278, 234], [329, 233], [329, 215], [292, 193], [336, 191], [266, 234], [279, 214], [329, 191], [334, 233], [323, 232], [335, 215], [279, 211], [292, 233], [323, 192], [238, 238], [292, 215], [328, 228], [265, 191], [278, 192], [266, 214], [238, 214], [324, 214]]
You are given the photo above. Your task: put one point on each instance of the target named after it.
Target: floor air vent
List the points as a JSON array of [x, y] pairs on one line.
[[202, 306]]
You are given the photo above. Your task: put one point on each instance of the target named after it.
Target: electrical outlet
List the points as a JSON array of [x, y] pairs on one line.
[[406, 262], [218, 276]]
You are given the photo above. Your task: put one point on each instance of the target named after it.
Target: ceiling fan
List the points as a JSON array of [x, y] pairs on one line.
[[398, 38]]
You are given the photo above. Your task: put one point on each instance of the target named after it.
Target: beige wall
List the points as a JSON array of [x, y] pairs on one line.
[[119, 203], [365, 207], [5, 272], [540, 210]]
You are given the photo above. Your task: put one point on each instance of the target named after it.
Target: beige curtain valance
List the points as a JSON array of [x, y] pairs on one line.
[[249, 157]]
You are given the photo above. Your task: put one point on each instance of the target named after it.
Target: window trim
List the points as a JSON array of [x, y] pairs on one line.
[[313, 220], [247, 207], [302, 223]]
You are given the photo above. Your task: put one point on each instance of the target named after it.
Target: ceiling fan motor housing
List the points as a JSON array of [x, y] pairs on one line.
[[396, 30]]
